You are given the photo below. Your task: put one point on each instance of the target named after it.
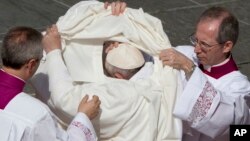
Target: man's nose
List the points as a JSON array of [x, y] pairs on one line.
[[197, 48]]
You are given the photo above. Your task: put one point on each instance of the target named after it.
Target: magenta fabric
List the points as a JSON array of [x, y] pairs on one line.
[[219, 71], [10, 86]]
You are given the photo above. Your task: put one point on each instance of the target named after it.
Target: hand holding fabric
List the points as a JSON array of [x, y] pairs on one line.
[[175, 59], [117, 7], [52, 39]]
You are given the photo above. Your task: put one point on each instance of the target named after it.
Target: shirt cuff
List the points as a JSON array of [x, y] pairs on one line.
[[82, 121]]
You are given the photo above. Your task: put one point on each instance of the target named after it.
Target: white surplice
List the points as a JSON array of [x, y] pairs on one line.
[[209, 105], [131, 110], [27, 119]]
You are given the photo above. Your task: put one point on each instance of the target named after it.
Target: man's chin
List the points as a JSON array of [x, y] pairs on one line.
[[203, 62]]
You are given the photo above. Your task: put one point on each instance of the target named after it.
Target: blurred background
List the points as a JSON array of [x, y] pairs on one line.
[[178, 18]]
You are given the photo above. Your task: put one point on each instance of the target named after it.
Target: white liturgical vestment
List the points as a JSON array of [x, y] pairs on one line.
[[27, 119], [138, 110], [212, 100]]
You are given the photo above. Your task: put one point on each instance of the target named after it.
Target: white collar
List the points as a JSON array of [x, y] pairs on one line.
[[208, 68]]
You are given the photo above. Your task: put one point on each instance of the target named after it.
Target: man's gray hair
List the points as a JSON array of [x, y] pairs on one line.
[[20, 45], [126, 73]]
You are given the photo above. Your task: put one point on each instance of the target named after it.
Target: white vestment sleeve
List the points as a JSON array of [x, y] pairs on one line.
[[61, 77], [201, 105], [61, 84], [80, 129]]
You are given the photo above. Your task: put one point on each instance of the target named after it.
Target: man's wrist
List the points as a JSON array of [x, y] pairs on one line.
[[53, 53], [189, 69]]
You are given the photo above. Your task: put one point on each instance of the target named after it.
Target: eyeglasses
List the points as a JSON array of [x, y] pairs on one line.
[[205, 46]]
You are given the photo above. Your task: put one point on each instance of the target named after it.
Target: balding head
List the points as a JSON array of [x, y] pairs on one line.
[[229, 25]]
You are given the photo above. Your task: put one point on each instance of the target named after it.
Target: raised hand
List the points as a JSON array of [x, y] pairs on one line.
[[52, 39], [117, 7]]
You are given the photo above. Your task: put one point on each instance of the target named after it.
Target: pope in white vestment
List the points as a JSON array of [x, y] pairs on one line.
[[213, 98], [139, 110]]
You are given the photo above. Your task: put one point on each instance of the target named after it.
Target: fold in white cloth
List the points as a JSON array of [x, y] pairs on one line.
[[84, 28], [87, 25]]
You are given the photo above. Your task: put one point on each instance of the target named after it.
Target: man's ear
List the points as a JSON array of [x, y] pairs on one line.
[[228, 45], [119, 76], [31, 65]]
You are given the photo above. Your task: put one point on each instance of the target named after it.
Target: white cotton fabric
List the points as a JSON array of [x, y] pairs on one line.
[[138, 110], [125, 57]]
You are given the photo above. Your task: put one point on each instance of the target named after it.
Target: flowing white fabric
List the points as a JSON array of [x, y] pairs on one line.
[[83, 29], [87, 25]]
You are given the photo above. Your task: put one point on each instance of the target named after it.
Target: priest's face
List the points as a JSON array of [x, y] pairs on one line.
[[207, 49]]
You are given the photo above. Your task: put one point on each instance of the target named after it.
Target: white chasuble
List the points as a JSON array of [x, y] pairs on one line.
[[130, 110]]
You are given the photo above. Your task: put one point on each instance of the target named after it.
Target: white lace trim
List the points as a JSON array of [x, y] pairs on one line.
[[84, 129]]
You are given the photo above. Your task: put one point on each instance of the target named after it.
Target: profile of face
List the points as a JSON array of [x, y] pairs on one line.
[[207, 49]]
